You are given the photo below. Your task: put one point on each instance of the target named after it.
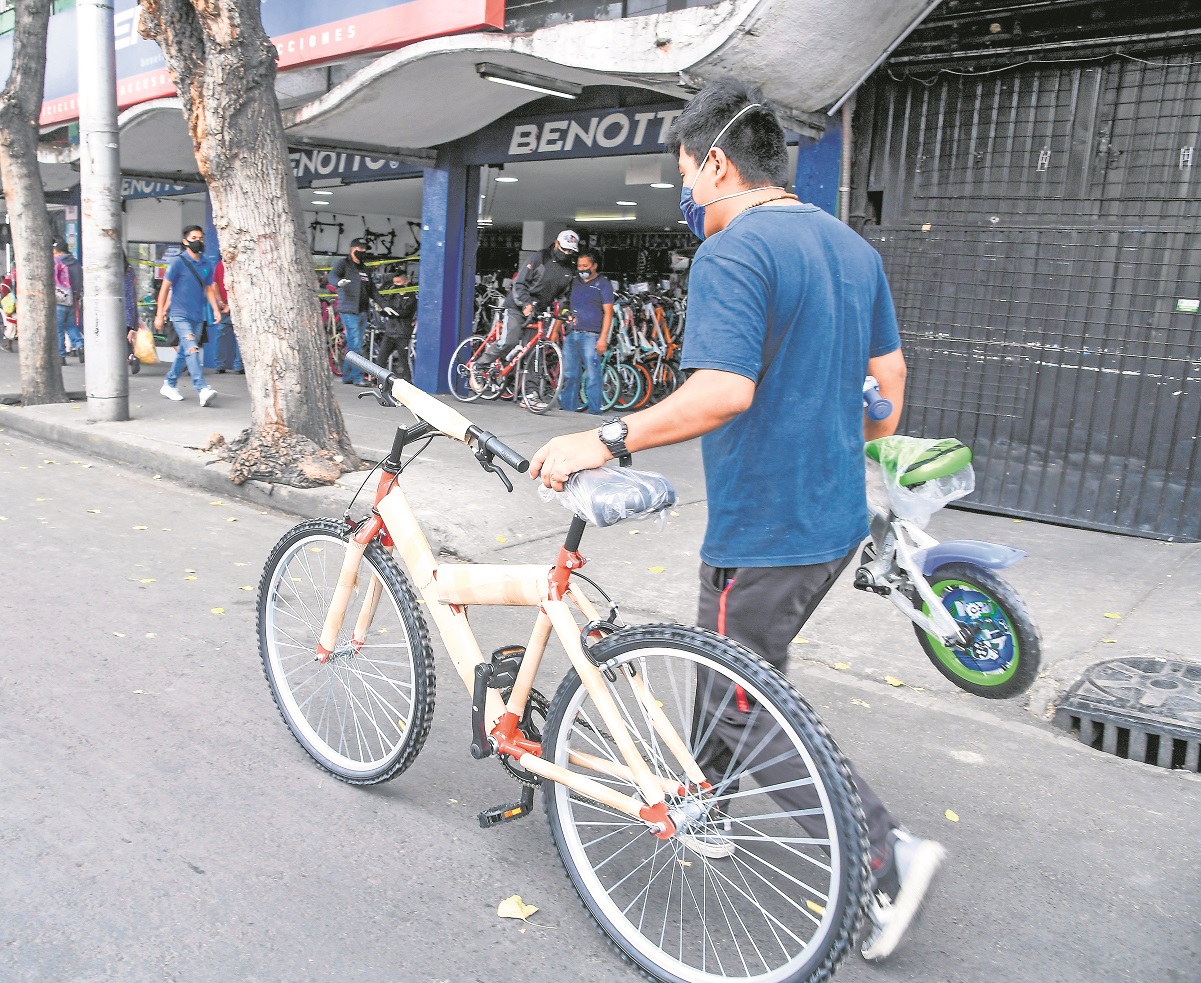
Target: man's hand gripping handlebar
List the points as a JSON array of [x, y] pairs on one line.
[[391, 390]]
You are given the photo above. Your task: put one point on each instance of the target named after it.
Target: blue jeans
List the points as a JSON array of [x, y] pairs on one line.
[[187, 354], [227, 346], [68, 326], [353, 323], [580, 347]]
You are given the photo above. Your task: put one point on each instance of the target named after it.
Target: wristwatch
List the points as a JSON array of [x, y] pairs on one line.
[[612, 434]]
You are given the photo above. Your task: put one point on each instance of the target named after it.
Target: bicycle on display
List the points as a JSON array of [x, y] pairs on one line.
[[693, 875], [971, 623], [530, 371]]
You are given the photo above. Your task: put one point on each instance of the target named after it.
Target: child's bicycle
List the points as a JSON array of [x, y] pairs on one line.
[[702, 813]]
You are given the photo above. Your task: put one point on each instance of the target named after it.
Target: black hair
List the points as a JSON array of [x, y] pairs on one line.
[[591, 254], [190, 229], [754, 144]]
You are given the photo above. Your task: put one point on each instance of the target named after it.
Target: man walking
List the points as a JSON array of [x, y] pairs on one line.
[[587, 336], [351, 278], [229, 355], [788, 311], [187, 292], [68, 295], [398, 327]]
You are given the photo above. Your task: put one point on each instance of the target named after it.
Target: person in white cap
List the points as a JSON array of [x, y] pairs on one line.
[[546, 278]]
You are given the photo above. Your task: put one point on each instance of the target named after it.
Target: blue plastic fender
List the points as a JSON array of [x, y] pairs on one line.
[[989, 555]]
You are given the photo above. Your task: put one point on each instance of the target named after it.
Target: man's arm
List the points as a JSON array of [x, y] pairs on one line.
[[709, 399], [602, 343], [164, 299], [521, 288], [214, 299], [889, 371]]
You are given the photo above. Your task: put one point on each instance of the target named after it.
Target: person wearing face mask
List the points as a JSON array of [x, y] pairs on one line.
[[351, 278], [186, 294], [538, 284], [587, 336], [788, 310]]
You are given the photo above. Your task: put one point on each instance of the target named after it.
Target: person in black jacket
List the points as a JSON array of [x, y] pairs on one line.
[[543, 280], [356, 290], [398, 329]]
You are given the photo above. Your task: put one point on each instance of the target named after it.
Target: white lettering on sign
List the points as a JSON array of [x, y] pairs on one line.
[[585, 136], [525, 139], [551, 139], [640, 130], [125, 27], [604, 139], [668, 116]]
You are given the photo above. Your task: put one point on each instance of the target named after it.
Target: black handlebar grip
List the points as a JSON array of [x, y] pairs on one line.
[[494, 445], [357, 360]]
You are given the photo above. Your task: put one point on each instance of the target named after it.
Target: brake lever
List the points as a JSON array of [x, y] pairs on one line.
[[380, 396], [485, 460]]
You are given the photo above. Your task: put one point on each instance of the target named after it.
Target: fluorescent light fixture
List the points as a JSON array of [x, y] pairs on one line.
[[630, 203], [662, 184], [322, 201], [505, 179], [682, 222], [482, 220], [606, 218], [323, 192], [528, 80]]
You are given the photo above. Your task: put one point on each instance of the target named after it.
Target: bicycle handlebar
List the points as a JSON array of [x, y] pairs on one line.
[[878, 408], [443, 418]]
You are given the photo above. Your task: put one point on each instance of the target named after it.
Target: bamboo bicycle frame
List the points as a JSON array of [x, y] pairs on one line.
[[448, 589]]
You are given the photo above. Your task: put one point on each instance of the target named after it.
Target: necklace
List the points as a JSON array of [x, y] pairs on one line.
[[765, 201]]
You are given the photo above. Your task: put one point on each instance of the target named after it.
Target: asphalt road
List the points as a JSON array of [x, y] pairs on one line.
[[158, 822]]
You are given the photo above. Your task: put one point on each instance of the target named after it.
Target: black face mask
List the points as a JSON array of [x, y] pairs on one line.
[[567, 259], [196, 245]]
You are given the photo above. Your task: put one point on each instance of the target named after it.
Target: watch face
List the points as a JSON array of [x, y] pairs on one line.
[[611, 431]]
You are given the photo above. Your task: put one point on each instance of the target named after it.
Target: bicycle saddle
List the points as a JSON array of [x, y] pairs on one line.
[[608, 495]]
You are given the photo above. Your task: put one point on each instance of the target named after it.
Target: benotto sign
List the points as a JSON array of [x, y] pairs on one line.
[[593, 133]]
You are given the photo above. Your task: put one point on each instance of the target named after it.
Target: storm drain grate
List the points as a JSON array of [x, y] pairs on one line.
[[1144, 709]]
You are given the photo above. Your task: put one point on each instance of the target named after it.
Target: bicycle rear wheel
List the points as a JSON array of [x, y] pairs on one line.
[[610, 387], [631, 387], [458, 374], [363, 715], [540, 376], [766, 875]]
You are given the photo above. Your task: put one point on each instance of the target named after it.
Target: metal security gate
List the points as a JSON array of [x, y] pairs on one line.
[[1041, 228]]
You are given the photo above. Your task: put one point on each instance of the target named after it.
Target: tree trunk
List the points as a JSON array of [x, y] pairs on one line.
[[223, 64], [20, 107]]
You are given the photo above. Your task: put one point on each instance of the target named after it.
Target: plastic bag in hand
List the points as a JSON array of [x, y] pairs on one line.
[[607, 495]]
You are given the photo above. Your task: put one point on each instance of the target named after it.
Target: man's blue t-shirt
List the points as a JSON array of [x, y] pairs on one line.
[[793, 299], [188, 299], [588, 300]]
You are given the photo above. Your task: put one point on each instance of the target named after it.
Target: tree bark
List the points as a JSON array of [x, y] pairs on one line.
[[20, 107], [223, 64]]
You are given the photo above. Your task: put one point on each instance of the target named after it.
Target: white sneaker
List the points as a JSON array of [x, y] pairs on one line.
[[206, 395], [900, 889], [171, 392]]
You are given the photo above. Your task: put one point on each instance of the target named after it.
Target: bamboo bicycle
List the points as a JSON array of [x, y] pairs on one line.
[[701, 811]]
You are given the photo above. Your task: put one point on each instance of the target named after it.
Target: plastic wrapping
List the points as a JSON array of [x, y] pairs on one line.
[[607, 495], [888, 460]]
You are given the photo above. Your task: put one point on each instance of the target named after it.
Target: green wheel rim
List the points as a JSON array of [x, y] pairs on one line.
[[973, 607]]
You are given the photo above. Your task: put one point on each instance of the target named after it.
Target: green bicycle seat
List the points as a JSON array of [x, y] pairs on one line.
[[939, 459]]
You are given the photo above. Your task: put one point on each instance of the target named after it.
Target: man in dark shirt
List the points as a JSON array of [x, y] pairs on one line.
[[351, 278], [538, 284], [398, 328], [788, 310], [587, 335]]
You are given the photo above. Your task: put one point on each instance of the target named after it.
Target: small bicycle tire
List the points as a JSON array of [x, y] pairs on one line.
[[631, 387], [540, 376], [647, 385], [458, 374], [610, 388], [364, 714], [779, 900], [1003, 656]]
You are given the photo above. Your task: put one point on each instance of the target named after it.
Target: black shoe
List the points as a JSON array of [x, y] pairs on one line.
[[348, 382], [221, 372], [135, 366], [239, 371], [79, 352], [64, 360]]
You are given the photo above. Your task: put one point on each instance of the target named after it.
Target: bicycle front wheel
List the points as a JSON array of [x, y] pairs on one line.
[[363, 714], [765, 876], [540, 377], [458, 373]]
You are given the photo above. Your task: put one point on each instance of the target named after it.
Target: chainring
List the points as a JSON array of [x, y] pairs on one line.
[[532, 723]]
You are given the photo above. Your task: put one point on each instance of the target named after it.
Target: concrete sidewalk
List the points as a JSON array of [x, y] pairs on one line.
[[1094, 596]]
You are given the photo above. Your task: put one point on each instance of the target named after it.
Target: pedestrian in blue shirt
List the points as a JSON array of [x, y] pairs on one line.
[[187, 292], [587, 337], [788, 310]]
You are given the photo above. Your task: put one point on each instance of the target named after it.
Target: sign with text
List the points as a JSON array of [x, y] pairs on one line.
[[589, 133], [320, 165], [305, 32]]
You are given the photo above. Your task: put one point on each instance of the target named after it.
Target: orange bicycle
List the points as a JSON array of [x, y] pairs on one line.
[[532, 371], [700, 809]]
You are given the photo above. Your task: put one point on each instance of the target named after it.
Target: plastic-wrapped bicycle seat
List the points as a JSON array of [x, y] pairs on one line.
[[607, 495], [920, 475]]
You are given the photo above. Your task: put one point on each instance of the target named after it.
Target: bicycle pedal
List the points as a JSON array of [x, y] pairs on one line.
[[507, 813]]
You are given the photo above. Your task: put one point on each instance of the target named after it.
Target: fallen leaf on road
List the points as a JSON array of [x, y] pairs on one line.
[[93, 511], [1109, 641], [231, 518], [216, 503], [247, 587], [118, 634], [1113, 616], [49, 462], [3, 518], [241, 564], [315, 549], [634, 532], [514, 907], [861, 703], [146, 580], [685, 863], [140, 527], [141, 692], [39, 500], [151, 634], [841, 665], [814, 907], [158, 477], [655, 569], [190, 577], [951, 815], [502, 539], [217, 611], [893, 681], [675, 513], [800, 640]]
